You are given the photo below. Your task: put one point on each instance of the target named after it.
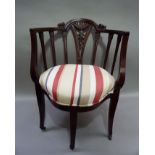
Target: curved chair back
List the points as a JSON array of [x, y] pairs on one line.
[[80, 30]]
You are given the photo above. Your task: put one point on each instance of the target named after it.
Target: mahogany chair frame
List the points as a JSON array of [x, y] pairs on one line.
[[80, 29]]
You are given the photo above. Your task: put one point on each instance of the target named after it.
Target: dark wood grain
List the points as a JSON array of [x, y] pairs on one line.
[[96, 41], [73, 124], [51, 33], [63, 31], [110, 37], [41, 36], [41, 105], [116, 52], [64, 37], [81, 29], [34, 54]]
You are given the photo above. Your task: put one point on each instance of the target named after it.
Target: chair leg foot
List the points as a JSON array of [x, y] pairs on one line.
[[72, 147], [41, 105], [110, 137], [73, 124], [43, 128]]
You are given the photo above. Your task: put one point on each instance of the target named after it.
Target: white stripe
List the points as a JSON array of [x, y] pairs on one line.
[[111, 82], [77, 86], [106, 81], [105, 84], [64, 89], [92, 85], [42, 79], [51, 79]]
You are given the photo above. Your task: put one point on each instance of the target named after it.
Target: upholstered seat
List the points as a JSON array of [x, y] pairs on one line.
[[77, 85]]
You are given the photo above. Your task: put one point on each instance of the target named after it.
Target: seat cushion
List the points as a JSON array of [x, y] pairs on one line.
[[76, 85]]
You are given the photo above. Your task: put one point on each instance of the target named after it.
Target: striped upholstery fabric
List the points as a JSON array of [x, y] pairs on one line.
[[76, 85]]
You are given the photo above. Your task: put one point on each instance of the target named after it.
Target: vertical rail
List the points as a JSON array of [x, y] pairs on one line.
[[64, 38], [110, 37], [77, 42], [33, 65], [122, 63], [116, 52], [96, 41], [41, 36], [51, 33]]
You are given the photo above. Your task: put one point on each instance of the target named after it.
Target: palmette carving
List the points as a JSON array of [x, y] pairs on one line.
[[81, 31]]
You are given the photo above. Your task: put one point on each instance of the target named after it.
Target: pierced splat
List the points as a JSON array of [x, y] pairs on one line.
[[81, 31]]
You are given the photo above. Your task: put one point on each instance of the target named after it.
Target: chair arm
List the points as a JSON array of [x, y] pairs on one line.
[[33, 65], [122, 64]]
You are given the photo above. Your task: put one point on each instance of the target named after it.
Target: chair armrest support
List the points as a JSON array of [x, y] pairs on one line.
[[122, 64], [33, 65]]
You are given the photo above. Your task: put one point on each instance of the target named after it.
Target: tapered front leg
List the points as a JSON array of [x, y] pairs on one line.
[[41, 105], [112, 109], [73, 125]]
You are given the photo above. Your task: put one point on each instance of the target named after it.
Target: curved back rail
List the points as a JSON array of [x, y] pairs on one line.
[[81, 29]]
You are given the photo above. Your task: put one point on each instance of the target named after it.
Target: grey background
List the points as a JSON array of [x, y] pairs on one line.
[[115, 14]]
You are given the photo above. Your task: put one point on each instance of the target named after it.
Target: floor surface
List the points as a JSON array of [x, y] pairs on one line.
[[91, 133]]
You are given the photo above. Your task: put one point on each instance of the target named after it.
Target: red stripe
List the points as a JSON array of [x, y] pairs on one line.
[[73, 86], [99, 84], [56, 81]]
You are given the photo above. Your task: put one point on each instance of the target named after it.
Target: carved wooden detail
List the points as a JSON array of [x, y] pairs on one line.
[[81, 31]]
